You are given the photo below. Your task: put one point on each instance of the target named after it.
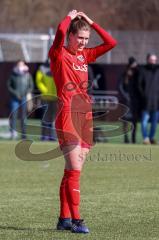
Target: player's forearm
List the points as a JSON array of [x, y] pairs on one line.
[[109, 40], [62, 29], [61, 32]]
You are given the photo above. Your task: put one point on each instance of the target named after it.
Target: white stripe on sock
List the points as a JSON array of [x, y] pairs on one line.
[[77, 190]]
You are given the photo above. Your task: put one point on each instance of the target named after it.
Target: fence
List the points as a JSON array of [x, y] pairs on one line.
[[34, 47], [28, 47]]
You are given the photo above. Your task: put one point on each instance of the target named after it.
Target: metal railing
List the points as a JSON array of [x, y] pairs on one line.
[[29, 47], [34, 47]]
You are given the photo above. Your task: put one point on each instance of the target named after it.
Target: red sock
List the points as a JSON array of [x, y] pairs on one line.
[[64, 207], [73, 192]]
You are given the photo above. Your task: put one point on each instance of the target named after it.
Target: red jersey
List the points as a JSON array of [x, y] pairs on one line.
[[70, 71]]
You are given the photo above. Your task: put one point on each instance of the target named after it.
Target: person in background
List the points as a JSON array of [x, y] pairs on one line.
[[19, 84], [129, 90], [46, 86], [149, 90]]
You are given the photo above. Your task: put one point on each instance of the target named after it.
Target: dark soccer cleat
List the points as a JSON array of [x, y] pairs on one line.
[[78, 226], [64, 224]]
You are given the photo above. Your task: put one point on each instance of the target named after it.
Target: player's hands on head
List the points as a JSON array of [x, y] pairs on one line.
[[82, 14], [72, 14]]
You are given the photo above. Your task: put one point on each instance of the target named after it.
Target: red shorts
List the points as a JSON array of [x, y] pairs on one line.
[[74, 128]]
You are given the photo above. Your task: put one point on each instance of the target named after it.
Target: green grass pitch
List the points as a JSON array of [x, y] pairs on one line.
[[119, 194]]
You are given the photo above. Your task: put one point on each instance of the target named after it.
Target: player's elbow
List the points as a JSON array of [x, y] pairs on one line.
[[114, 43]]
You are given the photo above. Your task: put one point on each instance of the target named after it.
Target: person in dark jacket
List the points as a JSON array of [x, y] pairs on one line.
[[128, 88], [20, 83], [149, 90]]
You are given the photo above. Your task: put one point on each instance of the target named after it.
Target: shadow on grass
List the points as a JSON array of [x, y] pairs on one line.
[[27, 229]]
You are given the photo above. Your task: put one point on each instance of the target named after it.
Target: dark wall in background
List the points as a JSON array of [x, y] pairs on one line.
[[109, 75]]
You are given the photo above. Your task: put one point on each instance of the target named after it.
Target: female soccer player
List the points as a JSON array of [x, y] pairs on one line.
[[69, 65]]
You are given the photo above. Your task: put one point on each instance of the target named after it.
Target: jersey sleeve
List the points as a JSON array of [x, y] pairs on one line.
[[56, 48], [109, 43]]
